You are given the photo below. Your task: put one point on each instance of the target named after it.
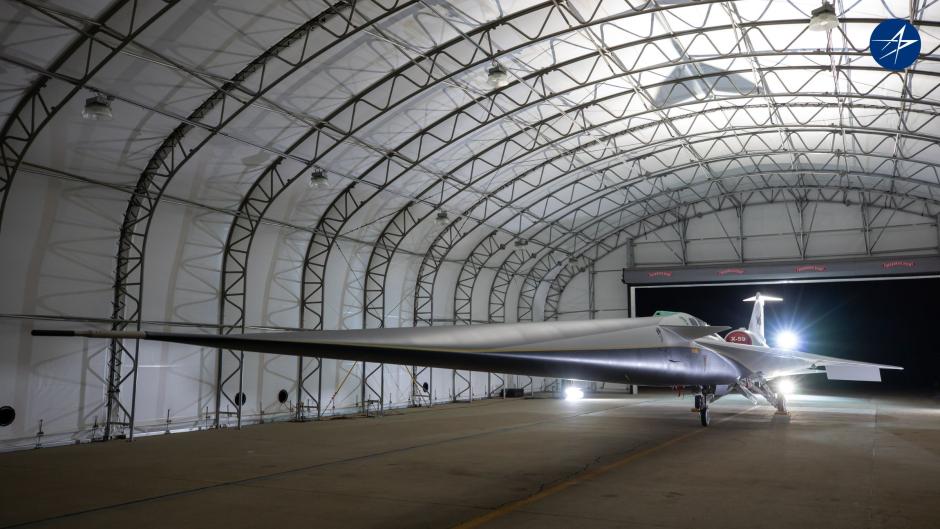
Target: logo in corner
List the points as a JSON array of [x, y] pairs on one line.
[[895, 44]]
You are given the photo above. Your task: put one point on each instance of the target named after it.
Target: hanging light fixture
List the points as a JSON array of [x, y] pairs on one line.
[[318, 179], [521, 247], [496, 75], [824, 18], [98, 108], [442, 219]]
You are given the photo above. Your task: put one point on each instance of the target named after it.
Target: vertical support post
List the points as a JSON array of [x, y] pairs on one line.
[[240, 396], [684, 245], [592, 299], [302, 388], [801, 208], [938, 233], [740, 211], [630, 263], [299, 412], [631, 254], [866, 227]]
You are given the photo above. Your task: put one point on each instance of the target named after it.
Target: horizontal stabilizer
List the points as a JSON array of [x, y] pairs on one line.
[[688, 332], [853, 372], [773, 362]]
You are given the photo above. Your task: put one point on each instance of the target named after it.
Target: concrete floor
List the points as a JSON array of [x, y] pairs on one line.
[[640, 461]]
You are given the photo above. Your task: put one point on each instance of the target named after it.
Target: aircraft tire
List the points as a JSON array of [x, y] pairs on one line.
[[705, 416]]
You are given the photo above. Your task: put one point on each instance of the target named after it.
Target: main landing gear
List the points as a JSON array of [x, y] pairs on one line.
[[701, 404]]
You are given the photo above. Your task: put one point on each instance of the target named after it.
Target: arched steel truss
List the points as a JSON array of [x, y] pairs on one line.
[[361, 110], [673, 219], [881, 202], [320, 251], [755, 155]]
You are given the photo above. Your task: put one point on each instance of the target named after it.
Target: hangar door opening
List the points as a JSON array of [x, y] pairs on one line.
[[891, 321]]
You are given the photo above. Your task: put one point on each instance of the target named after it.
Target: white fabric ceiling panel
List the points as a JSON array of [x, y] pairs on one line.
[[152, 84], [219, 175], [72, 261], [912, 233], [260, 126], [14, 81], [32, 36], [222, 36], [112, 151], [183, 284]]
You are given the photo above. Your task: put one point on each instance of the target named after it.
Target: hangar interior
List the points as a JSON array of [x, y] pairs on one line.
[[221, 167]]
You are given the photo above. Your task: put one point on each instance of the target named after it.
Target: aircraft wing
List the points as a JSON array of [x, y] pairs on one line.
[[587, 350], [775, 362]]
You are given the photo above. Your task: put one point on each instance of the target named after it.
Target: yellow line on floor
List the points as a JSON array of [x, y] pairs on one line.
[[587, 475]]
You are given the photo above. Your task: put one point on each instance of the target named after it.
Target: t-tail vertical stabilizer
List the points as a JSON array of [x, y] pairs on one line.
[[756, 325]]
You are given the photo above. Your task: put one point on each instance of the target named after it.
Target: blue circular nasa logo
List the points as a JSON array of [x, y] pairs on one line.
[[895, 44]]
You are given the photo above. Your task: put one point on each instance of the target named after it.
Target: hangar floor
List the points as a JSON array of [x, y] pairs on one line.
[[640, 461]]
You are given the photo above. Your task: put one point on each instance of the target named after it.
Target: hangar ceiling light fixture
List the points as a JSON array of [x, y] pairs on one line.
[[522, 247], [318, 179], [98, 108], [443, 219], [496, 75], [824, 18]]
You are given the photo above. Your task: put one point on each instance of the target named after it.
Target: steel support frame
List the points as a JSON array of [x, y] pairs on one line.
[[796, 195], [508, 269], [915, 183], [172, 155], [644, 226], [426, 289], [426, 279], [423, 302], [662, 37]]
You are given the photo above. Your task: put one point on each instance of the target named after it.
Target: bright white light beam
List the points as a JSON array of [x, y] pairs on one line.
[[787, 340], [786, 386], [574, 393]]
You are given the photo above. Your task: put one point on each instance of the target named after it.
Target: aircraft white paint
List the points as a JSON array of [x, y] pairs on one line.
[[671, 349]]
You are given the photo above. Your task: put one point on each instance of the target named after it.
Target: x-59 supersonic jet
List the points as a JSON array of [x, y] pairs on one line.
[[669, 349]]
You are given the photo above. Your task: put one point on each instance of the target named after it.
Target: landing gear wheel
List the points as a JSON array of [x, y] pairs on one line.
[[782, 405], [699, 402], [706, 418]]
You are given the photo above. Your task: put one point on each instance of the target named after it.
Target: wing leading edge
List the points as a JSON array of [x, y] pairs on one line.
[[602, 350]]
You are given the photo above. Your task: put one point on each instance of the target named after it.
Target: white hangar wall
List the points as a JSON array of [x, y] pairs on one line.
[[67, 233]]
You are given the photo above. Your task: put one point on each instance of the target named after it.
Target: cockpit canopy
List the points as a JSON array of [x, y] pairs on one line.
[[679, 318]]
